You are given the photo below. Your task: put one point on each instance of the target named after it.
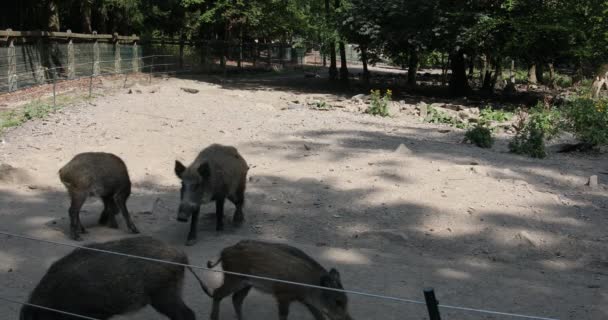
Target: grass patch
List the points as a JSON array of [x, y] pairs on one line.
[[37, 109], [438, 116], [488, 114]]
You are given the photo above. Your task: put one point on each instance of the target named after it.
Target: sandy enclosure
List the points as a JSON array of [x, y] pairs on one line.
[[396, 205]]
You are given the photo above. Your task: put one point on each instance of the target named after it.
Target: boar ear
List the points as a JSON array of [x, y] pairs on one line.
[[325, 281], [334, 275], [179, 168], [204, 170], [331, 280]]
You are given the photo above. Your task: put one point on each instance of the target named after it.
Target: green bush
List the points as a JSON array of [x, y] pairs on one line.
[[480, 136], [563, 81], [379, 104], [532, 131], [588, 120]]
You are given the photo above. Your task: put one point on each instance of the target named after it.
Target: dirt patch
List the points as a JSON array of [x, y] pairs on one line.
[[396, 204]]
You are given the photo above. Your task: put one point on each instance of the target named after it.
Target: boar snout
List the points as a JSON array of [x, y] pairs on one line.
[[185, 212]]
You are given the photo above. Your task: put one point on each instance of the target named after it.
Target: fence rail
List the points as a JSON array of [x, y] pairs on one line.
[[64, 35], [430, 301]]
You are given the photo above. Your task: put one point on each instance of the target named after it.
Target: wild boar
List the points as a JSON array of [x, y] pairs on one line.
[[217, 173], [282, 262], [97, 174], [101, 285]]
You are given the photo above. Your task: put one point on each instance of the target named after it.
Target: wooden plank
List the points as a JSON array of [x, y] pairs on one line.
[[65, 35]]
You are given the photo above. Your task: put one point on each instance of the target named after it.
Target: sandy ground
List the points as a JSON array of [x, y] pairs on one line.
[[485, 228]]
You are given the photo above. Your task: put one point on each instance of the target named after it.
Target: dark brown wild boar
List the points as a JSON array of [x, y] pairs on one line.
[[102, 285], [98, 174], [217, 173], [282, 262]]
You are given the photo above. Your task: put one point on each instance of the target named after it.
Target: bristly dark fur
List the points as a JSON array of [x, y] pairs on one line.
[[101, 174], [101, 285]]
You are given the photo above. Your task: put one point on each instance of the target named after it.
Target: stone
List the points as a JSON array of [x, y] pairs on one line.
[[593, 182], [403, 149], [190, 90], [423, 108]]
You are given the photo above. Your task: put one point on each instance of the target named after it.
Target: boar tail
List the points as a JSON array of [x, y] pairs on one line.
[[211, 264], [203, 286]]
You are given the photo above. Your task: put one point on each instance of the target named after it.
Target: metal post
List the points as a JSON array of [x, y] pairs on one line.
[[432, 304]]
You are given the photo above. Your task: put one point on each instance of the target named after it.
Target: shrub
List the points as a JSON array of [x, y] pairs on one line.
[[379, 104], [488, 114], [588, 120], [532, 131], [480, 136], [563, 81]]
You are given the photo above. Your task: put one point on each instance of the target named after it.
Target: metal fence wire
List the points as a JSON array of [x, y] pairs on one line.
[[430, 301]]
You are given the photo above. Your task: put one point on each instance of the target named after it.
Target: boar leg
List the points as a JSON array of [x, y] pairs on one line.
[[237, 301], [231, 284], [77, 200], [120, 199], [108, 216], [193, 229], [283, 308], [239, 201], [219, 213], [170, 304], [315, 312]]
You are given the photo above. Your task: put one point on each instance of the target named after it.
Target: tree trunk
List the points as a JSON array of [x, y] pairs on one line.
[[471, 67], [484, 68], [86, 11], [540, 70], [342, 46], [532, 74], [510, 88], [497, 75], [412, 70], [459, 85], [53, 15], [551, 74], [364, 62], [240, 61], [444, 69], [343, 62], [333, 69], [487, 76]]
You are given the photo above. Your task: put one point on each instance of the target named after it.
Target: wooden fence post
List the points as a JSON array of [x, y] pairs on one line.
[[71, 57], [135, 56], [96, 67], [12, 65], [117, 58], [182, 43], [39, 69]]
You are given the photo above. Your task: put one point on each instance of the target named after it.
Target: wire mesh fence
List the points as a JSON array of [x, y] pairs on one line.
[[29, 62]]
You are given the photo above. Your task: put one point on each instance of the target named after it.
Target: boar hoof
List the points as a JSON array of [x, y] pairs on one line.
[[190, 242], [238, 220]]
